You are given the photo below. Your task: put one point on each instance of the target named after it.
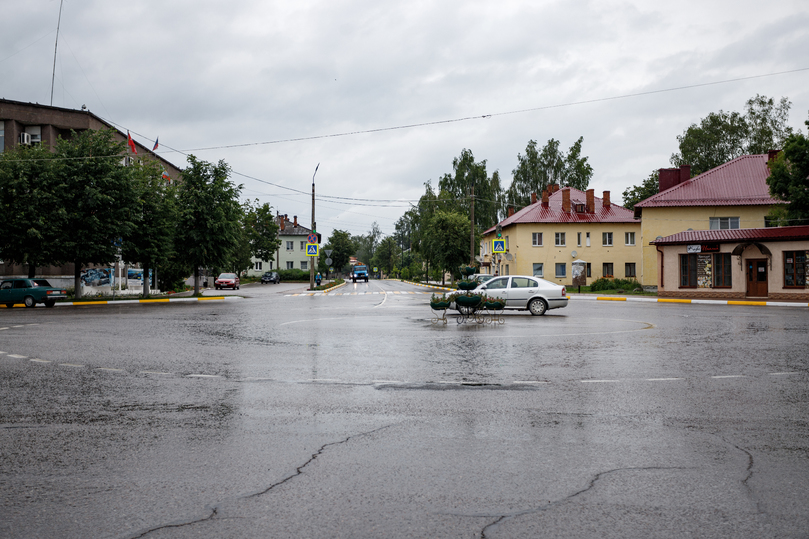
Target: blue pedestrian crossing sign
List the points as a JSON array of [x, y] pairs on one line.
[[311, 249], [498, 246]]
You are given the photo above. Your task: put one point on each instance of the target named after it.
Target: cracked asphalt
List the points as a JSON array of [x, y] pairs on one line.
[[356, 416]]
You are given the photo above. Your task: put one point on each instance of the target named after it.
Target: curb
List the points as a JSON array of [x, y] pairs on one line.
[[435, 287], [335, 287], [132, 301], [688, 301]]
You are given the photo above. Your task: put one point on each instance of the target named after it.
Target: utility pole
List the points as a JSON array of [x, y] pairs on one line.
[[313, 260], [472, 228], [55, 47]]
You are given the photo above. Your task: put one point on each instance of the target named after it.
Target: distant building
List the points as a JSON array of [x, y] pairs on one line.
[[566, 224], [731, 196], [292, 250]]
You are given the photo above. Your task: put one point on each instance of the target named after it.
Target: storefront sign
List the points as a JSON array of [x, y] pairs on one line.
[[703, 248]]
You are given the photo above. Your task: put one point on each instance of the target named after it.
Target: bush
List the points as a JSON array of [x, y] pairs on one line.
[[294, 275], [613, 284]]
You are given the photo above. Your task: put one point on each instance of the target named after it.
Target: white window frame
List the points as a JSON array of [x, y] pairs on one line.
[[559, 239], [539, 271], [724, 223], [578, 239], [290, 245], [587, 239], [606, 239], [303, 246], [304, 265], [534, 237], [258, 265], [290, 265], [563, 266], [629, 238]]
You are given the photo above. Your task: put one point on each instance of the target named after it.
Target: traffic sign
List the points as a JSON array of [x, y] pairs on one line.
[[328, 251], [328, 260], [376, 269], [498, 246], [312, 238], [311, 249]]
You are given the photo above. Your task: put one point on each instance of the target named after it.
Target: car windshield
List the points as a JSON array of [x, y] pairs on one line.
[[228, 276], [41, 282]]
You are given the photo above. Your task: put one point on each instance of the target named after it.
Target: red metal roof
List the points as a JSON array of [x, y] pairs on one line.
[[536, 213], [740, 182], [784, 233]]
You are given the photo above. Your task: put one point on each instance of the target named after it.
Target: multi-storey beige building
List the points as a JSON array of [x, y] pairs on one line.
[[567, 224]]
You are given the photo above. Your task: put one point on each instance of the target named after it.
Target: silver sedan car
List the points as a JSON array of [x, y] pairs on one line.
[[526, 292]]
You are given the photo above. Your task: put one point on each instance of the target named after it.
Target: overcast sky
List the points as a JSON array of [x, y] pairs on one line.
[[201, 74]]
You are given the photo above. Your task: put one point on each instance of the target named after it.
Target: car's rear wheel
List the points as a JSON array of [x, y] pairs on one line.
[[50, 303], [537, 307], [29, 301]]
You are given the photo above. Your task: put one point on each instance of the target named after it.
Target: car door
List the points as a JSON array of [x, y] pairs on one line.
[[6, 291], [497, 288], [20, 288], [519, 291]]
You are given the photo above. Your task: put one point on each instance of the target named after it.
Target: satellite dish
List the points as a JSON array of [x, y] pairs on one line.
[[509, 256], [573, 254]]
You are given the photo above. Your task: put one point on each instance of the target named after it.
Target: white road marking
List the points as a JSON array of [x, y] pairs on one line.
[[203, 376], [109, 370], [1, 329], [783, 373], [17, 356], [386, 382], [18, 326], [598, 381], [662, 379], [36, 360], [730, 376], [3, 352], [255, 379], [70, 365], [154, 372], [530, 382]]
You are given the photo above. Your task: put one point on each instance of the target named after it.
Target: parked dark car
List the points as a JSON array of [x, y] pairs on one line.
[[270, 277], [227, 280], [29, 292]]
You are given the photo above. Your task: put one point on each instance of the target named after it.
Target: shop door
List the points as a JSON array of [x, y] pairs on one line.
[[757, 278]]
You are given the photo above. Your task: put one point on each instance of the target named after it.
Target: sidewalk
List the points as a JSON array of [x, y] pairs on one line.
[[651, 299]]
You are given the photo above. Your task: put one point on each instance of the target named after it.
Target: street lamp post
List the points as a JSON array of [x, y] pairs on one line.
[[314, 231]]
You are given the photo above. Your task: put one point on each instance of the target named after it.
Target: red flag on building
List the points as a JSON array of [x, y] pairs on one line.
[[131, 142], [155, 144]]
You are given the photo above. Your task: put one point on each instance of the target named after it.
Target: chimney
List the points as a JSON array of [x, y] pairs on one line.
[[605, 200], [590, 206], [669, 177], [295, 224], [772, 154], [510, 211], [533, 198], [566, 200], [282, 219], [554, 187], [545, 196]]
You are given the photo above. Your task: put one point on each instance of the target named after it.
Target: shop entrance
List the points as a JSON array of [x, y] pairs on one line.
[[757, 278]]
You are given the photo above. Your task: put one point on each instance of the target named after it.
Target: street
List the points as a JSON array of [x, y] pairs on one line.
[[352, 414]]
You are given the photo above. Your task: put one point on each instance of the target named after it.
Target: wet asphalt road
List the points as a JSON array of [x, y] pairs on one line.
[[355, 416]]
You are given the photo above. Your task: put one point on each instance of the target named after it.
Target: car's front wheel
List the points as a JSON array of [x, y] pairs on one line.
[[537, 307], [29, 301]]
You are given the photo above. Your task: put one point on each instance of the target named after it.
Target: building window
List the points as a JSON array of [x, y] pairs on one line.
[[578, 239], [589, 270], [290, 246], [688, 271], [629, 269], [721, 270], [538, 270], [724, 223], [537, 239], [795, 268], [561, 270], [629, 238], [560, 239], [507, 271], [304, 265], [587, 238], [607, 270], [258, 265], [290, 265], [506, 243], [2, 135], [606, 239], [303, 246]]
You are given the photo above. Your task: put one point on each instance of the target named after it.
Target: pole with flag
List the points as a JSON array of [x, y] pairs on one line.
[[131, 142], [155, 144]]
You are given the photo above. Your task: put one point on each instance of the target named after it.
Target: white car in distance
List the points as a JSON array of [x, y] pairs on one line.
[[524, 292]]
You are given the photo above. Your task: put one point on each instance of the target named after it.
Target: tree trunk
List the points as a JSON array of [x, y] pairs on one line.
[[145, 280], [196, 280], [76, 279]]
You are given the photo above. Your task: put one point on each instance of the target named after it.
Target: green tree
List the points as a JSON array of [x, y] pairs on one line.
[[448, 238], [467, 177], [29, 207], [367, 244], [639, 193], [789, 180], [342, 248], [97, 197], [150, 241], [723, 136], [386, 255], [538, 169], [208, 228], [262, 230]]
